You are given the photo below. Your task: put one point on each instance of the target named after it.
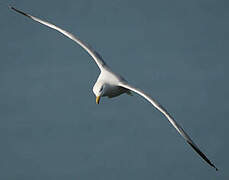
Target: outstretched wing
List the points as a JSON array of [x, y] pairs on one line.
[[171, 120], [98, 59]]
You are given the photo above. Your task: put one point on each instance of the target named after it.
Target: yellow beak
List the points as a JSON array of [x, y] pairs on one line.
[[97, 99]]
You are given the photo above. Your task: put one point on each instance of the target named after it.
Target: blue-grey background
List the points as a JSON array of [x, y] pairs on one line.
[[50, 126]]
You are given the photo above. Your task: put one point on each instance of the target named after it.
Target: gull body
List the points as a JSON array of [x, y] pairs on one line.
[[111, 84], [107, 84]]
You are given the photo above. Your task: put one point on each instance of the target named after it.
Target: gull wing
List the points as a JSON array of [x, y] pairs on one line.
[[98, 59], [171, 120]]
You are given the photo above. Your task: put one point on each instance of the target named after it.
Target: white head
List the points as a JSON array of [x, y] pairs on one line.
[[98, 90]]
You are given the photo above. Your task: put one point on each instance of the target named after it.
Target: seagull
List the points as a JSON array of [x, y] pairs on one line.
[[110, 84]]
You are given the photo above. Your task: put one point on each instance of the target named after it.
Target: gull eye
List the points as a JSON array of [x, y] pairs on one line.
[[101, 89]]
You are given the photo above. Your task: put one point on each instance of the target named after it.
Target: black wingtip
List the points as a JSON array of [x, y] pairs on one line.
[[213, 166], [11, 7], [202, 155]]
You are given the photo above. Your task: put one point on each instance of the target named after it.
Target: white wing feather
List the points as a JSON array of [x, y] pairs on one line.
[[170, 118], [98, 59]]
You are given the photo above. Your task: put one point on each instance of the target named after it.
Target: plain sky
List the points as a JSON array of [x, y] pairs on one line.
[[50, 125]]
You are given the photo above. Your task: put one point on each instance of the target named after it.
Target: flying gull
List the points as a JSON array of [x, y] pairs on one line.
[[110, 84]]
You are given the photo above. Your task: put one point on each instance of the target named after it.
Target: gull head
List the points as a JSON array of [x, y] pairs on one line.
[[99, 91]]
